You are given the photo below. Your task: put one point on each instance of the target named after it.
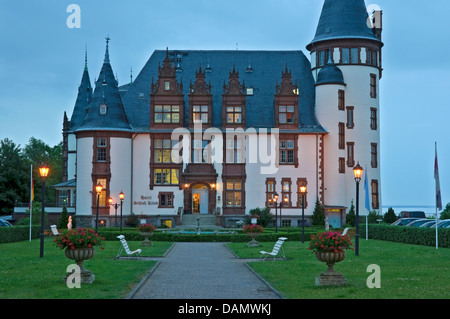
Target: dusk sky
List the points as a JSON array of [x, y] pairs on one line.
[[42, 60]]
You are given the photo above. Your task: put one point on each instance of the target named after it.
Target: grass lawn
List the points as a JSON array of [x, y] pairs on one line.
[[23, 275], [407, 271]]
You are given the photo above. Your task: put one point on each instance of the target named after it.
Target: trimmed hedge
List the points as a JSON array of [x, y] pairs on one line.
[[238, 237], [409, 235], [19, 233]]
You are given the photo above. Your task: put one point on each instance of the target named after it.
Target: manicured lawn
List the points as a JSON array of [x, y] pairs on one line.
[[407, 271], [23, 275]]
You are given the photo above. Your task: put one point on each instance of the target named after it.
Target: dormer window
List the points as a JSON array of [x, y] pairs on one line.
[[166, 98], [103, 109], [200, 114], [286, 102], [167, 114], [286, 114], [234, 114]]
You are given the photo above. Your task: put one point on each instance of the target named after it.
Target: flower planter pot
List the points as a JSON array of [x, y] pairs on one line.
[[253, 242], [80, 255], [147, 242], [330, 277]]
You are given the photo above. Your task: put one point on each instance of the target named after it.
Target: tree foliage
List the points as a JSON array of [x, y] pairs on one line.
[[390, 216], [318, 218], [15, 165], [14, 180]]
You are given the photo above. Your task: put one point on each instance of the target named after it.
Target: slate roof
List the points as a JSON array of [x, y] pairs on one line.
[[266, 66], [84, 98], [106, 92], [69, 183], [341, 19], [330, 74]]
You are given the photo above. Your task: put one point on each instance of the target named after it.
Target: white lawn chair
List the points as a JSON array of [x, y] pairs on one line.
[[136, 253], [277, 248], [54, 230]]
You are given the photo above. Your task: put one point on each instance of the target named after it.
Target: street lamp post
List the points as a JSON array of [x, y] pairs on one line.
[[98, 190], [121, 196], [116, 205], [43, 171], [303, 192], [275, 201], [357, 171], [285, 200]]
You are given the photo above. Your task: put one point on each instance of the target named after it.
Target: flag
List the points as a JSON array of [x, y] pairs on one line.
[[366, 189], [31, 194], [438, 186]]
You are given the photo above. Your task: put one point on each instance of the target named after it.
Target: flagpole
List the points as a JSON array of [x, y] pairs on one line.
[[438, 192], [31, 195]]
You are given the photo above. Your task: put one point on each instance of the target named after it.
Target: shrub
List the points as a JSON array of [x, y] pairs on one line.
[[351, 215], [390, 216], [408, 235], [318, 218], [18, 233], [265, 216]]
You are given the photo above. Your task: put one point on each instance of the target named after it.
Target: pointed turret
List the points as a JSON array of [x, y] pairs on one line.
[[84, 98], [343, 19], [106, 111]]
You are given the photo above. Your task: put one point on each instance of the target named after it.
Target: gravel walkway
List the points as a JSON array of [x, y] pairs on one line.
[[202, 271]]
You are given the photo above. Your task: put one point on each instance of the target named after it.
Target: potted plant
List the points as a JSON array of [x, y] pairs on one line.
[[330, 247], [146, 231], [79, 245], [254, 219], [253, 231]]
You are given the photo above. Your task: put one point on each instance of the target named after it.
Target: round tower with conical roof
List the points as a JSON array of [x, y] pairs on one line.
[[346, 64], [104, 147]]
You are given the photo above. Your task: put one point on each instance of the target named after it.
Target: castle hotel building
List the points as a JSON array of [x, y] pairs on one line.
[[221, 132]]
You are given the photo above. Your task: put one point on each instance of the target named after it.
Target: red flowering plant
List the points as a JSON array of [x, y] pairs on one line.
[[330, 242], [253, 229], [79, 238], [146, 228]]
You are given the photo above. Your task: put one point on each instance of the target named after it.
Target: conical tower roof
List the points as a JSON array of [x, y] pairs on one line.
[[106, 112], [343, 19], [84, 98]]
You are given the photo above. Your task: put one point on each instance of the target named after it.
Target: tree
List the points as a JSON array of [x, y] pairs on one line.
[[265, 216], [445, 214], [318, 218], [390, 216], [351, 215], [37, 152], [14, 177]]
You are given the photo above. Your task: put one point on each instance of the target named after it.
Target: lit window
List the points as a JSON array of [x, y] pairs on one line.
[[162, 150], [234, 193], [166, 176], [234, 114], [166, 85], [200, 113], [167, 114]]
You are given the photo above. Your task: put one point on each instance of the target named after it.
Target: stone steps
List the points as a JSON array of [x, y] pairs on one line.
[[205, 221]]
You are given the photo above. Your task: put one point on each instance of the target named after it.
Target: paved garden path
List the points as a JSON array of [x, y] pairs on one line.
[[202, 271]]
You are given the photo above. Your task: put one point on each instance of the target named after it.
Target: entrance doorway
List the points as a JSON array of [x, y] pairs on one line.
[[200, 200]]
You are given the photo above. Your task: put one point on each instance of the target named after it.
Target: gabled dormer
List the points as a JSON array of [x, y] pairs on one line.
[[200, 101], [166, 99], [286, 103], [233, 102]]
